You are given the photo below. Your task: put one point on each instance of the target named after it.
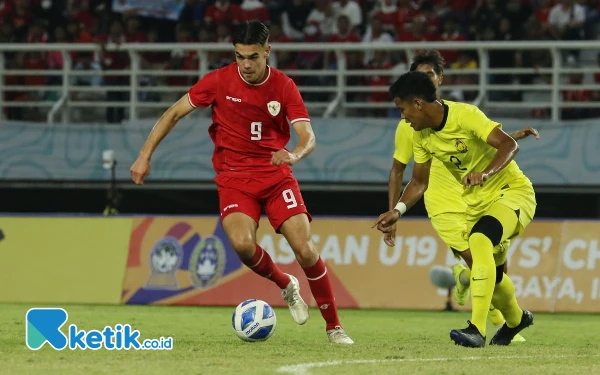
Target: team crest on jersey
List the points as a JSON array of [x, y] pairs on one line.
[[461, 146], [274, 107]]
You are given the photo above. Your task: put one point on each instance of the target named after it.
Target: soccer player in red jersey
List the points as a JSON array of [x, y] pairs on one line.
[[251, 106]]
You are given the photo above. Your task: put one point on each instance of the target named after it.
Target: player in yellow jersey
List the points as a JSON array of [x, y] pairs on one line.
[[500, 198], [445, 207]]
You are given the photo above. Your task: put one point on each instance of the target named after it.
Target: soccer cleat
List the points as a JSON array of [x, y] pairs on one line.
[[505, 334], [517, 338], [338, 336], [461, 292], [291, 295], [469, 337]]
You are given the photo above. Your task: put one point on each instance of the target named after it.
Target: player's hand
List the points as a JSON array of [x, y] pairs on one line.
[[140, 170], [390, 236], [283, 157], [475, 179], [386, 220], [524, 133]]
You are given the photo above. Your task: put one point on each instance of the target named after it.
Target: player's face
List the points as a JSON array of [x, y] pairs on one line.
[[412, 112], [252, 61], [435, 78]]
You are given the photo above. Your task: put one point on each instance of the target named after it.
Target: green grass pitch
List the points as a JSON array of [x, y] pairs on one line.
[[387, 342]]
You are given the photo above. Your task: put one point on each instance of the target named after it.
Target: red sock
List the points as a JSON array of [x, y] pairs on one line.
[[320, 286], [262, 264]]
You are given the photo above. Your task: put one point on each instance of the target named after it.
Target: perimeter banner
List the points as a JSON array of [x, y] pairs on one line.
[[189, 261], [59, 260]]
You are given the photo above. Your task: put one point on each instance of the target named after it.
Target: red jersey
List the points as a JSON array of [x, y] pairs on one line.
[[249, 121]]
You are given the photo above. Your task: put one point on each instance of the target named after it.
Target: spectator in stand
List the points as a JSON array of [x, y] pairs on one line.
[[466, 61], [293, 19], [375, 34], [113, 59], [381, 61], [576, 95], [450, 33], [344, 34], [286, 60], [254, 10], [542, 12], [502, 59], [352, 10], [387, 12], [222, 11], [324, 16], [566, 22], [82, 12], [21, 17], [418, 32], [133, 34], [487, 14]]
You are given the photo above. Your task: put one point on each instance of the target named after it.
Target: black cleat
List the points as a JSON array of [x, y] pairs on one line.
[[505, 334], [469, 337]]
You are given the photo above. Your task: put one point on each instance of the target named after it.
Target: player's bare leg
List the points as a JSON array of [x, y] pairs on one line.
[[241, 231], [296, 230]]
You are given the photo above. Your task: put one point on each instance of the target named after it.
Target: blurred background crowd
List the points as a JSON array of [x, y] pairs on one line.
[[351, 21]]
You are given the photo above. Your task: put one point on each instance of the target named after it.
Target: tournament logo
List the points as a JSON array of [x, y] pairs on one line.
[[274, 108], [207, 262], [165, 258], [461, 146]]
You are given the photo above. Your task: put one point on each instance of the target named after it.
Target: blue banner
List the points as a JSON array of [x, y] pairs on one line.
[[348, 150], [168, 9]]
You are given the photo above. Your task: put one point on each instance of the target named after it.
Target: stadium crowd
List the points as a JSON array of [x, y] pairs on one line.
[[352, 21]]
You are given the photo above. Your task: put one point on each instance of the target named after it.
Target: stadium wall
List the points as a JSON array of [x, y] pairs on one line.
[[357, 150], [187, 260]]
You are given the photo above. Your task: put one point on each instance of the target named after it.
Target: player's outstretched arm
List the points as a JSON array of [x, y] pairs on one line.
[[395, 183], [306, 145], [413, 192], [141, 167], [507, 150]]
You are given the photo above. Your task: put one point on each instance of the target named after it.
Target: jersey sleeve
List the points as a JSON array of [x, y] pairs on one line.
[[421, 154], [403, 143], [475, 122], [295, 109], [203, 93]]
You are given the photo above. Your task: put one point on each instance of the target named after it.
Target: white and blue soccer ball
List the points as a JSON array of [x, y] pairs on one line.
[[254, 320]]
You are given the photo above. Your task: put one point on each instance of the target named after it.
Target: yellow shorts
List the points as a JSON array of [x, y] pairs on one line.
[[520, 199], [452, 228]]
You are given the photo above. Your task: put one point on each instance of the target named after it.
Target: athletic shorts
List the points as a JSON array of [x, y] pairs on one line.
[[278, 194], [520, 199], [452, 229]]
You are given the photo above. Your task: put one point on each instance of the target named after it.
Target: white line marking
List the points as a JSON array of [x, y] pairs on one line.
[[303, 368]]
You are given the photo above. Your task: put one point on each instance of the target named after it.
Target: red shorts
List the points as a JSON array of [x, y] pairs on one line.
[[279, 195]]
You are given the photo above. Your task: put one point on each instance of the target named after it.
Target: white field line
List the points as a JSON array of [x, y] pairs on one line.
[[304, 368]]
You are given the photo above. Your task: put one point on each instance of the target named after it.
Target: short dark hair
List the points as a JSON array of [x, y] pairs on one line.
[[414, 85], [429, 57], [251, 32]]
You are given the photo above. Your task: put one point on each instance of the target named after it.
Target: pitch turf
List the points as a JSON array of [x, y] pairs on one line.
[[387, 342]]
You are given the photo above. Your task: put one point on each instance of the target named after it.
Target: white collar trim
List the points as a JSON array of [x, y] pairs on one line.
[[256, 84]]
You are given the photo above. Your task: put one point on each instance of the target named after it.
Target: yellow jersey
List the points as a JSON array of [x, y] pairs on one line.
[[461, 145], [443, 194]]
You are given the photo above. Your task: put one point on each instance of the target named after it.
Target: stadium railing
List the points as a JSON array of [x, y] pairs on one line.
[[546, 95]]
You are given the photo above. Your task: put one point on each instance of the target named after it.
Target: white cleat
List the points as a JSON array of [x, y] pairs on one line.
[[338, 336], [291, 295]]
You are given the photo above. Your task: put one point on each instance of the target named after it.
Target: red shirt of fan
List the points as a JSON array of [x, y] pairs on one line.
[[249, 121]]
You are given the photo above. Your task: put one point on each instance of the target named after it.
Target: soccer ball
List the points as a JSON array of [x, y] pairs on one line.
[[254, 320]]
